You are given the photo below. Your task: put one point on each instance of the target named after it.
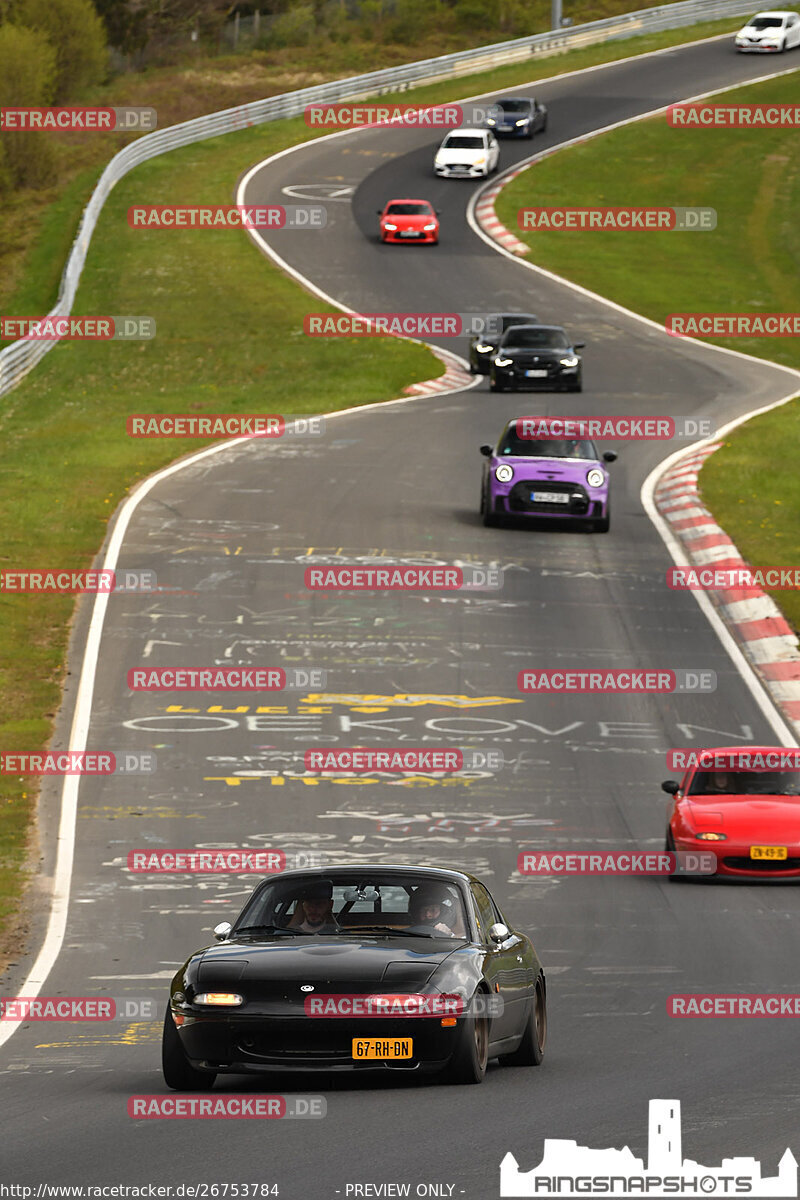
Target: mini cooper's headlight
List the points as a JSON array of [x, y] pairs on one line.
[[428, 228], [504, 473], [570, 361], [388, 226], [711, 837], [220, 999], [503, 362], [484, 347], [595, 477]]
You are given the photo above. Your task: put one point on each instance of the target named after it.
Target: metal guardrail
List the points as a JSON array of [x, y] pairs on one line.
[[22, 356]]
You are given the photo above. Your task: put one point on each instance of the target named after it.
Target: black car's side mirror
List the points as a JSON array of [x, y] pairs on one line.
[[609, 456], [379, 211], [670, 787], [486, 451], [499, 932], [578, 345], [222, 930], [438, 212]]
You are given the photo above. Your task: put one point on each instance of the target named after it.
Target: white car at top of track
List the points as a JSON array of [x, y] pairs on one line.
[[770, 33], [467, 154]]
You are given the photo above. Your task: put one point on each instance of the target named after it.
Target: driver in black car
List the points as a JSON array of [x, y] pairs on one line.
[[314, 911], [427, 907]]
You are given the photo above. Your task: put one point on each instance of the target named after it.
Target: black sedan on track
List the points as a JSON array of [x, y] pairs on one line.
[[482, 348], [517, 116], [539, 357], [358, 968]]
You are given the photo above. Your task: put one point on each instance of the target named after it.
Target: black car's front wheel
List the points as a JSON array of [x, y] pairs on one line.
[[468, 1064], [530, 1051], [179, 1074]]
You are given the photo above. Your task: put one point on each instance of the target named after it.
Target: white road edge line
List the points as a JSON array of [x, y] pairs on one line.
[[62, 878]]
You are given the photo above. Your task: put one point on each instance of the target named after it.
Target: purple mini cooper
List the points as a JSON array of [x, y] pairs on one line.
[[553, 477]]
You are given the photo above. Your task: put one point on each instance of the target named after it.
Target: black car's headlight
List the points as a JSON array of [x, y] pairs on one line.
[[503, 362]]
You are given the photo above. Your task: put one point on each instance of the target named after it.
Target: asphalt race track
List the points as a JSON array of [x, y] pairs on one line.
[[233, 534]]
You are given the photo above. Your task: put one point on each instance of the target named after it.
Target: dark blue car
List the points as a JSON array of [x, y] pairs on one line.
[[517, 116]]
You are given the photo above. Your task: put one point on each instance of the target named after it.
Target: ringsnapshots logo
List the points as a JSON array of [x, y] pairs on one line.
[[105, 120], [78, 762], [620, 681], [226, 1108], [73, 583], [567, 1169], [614, 428], [233, 425], [404, 578], [227, 216], [77, 329], [618, 218], [225, 679]]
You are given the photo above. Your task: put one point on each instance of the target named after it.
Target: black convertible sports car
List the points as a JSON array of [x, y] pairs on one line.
[[483, 348], [355, 969], [536, 356]]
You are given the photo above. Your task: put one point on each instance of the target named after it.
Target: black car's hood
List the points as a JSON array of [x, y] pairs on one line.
[[543, 353], [364, 960]]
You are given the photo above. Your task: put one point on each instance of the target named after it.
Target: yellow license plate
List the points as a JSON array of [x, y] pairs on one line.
[[383, 1047], [769, 852]]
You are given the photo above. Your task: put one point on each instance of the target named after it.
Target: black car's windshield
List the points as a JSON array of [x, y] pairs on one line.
[[399, 905], [462, 141], [751, 783], [766, 22], [515, 106], [542, 337], [409, 210], [546, 447]]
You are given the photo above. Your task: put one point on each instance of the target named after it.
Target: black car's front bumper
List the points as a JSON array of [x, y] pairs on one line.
[[556, 377], [236, 1045]]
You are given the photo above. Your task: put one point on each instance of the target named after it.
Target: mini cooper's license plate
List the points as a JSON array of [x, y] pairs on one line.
[[770, 852], [383, 1048], [549, 498], [537, 374]]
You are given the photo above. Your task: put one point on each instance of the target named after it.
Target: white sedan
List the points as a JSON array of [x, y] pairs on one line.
[[769, 33], [467, 154]]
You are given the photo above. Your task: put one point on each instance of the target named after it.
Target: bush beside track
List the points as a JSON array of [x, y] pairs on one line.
[[228, 336], [750, 262]]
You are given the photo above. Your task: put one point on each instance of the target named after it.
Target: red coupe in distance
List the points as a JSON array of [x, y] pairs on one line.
[[742, 803], [409, 221]]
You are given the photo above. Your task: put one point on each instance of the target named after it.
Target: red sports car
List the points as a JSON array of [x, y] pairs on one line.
[[409, 221], [742, 803]]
